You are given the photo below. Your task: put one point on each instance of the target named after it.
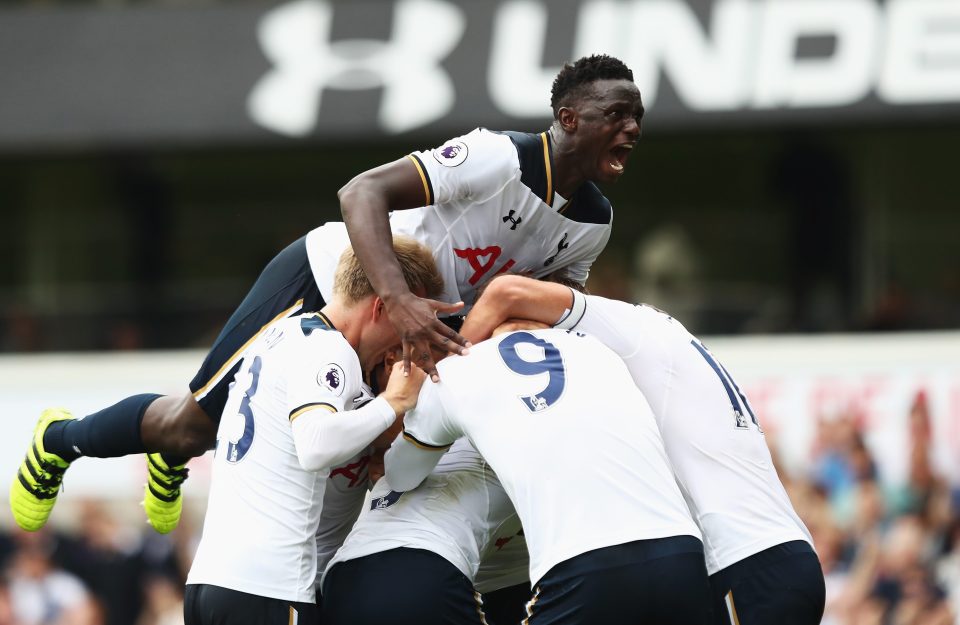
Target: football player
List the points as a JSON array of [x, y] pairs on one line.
[[298, 408], [484, 203], [578, 452], [759, 554]]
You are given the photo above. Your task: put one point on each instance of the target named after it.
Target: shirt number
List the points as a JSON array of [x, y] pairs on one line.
[[551, 364], [237, 449]]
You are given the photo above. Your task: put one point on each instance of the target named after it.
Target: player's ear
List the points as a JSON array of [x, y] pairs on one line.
[[378, 309], [568, 118], [391, 357]]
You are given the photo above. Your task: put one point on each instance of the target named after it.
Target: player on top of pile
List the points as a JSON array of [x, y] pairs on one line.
[[485, 203]]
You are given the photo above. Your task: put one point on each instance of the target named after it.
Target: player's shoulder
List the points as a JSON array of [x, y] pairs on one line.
[[532, 154], [589, 205], [528, 145], [313, 333], [478, 145]]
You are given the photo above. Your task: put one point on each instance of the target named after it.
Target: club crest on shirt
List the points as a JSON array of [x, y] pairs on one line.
[[331, 378], [382, 503], [451, 154]]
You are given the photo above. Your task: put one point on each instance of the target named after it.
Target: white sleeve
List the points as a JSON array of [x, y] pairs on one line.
[[573, 315], [473, 166], [325, 439], [425, 438], [323, 379], [408, 464], [614, 323]]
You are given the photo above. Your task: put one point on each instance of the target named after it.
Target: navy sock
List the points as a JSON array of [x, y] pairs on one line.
[[110, 433]]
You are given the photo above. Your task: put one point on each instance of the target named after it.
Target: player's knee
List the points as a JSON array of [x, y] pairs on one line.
[[192, 444], [177, 425]]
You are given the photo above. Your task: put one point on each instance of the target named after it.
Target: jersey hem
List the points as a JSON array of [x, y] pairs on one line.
[[450, 557], [255, 589], [537, 572], [754, 548]]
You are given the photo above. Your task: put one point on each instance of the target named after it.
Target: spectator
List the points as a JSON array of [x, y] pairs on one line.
[[41, 594], [164, 601]]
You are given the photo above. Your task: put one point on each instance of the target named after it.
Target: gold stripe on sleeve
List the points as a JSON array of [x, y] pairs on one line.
[[423, 179], [417, 443], [296, 412]]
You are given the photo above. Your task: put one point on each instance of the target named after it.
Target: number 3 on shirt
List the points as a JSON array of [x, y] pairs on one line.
[[237, 449], [551, 364]]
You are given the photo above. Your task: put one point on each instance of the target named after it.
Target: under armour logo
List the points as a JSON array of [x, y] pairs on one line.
[[515, 222], [296, 39], [562, 245]]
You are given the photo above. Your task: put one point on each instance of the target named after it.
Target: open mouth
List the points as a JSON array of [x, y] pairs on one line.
[[619, 156]]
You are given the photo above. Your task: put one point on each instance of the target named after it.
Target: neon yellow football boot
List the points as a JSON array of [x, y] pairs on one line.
[[162, 498], [34, 491]]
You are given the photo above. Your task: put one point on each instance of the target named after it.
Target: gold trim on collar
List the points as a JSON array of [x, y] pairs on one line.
[[546, 164]]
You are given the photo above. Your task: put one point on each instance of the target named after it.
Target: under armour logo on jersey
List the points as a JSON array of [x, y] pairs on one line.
[[296, 37], [562, 245], [515, 222]]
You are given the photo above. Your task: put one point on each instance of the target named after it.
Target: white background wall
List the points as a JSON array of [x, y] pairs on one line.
[[789, 380]]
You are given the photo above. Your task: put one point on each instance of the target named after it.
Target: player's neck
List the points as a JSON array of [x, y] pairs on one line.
[[566, 178], [345, 321]]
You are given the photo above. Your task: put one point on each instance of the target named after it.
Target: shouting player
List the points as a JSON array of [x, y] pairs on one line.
[[484, 203]]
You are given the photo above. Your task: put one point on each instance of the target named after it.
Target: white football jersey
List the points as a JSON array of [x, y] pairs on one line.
[[506, 563], [489, 207], [712, 437], [343, 499], [264, 508], [456, 513], [573, 441]]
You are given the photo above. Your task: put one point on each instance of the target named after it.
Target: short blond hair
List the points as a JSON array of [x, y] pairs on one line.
[[350, 282]]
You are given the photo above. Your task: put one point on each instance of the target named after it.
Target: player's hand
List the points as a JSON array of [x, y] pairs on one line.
[[403, 388], [415, 319]]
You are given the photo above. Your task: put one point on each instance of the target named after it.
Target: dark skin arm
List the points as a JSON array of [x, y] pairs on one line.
[[515, 297], [365, 203]]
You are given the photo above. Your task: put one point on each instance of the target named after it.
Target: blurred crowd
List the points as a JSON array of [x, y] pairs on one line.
[[890, 552], [103, 572]]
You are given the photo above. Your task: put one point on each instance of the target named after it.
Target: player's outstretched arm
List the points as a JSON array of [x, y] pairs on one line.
[[407, 463], [515, 297], [324, 439], [365, 203], [426, 436]]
